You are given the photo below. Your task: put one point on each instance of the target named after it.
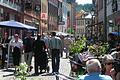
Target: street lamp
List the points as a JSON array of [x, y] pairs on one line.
[[86, 30], [92, 22], [111, 24], [74, 28], [110, 21]]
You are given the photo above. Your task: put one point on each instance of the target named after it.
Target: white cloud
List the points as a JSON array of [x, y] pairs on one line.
[[84, 1]]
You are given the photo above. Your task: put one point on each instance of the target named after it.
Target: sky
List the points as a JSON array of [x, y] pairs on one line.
[[84, 1]]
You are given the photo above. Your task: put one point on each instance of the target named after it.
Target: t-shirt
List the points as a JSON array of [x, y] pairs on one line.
[[94, 76], [28, 44]]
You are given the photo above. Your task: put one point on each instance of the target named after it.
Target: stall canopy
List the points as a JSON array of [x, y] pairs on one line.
[[15, 24], [115, 33], [61, 33]]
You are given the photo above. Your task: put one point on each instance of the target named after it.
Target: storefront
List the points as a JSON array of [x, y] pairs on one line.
[[113, 21], [53, 16], [12, 10], [8, 12]]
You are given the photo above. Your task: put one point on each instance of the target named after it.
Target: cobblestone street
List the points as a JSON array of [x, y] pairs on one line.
[[64, 70]]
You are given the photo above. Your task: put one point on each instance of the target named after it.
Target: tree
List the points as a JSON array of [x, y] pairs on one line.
[[70, 30], [85, 7]]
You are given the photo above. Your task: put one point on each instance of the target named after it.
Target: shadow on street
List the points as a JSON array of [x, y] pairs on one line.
[[8, 70], [8, 75]]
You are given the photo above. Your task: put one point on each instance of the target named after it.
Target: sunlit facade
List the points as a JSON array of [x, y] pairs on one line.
[[24, 11]]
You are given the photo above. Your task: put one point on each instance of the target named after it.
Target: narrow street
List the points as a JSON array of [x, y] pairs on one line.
[[64, 71]]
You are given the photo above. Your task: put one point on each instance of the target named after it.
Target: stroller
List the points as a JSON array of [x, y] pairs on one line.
[[43, 62], [77, 66]]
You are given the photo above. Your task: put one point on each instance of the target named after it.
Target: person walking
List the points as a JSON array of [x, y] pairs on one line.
[[17, 48], [62, 39], [4, 46], [67, 43], [39, 52], [55, 46], [45, 38], [28, 48]]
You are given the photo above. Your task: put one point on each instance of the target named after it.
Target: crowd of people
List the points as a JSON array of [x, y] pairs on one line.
[[42, 47], [105, 67], [53, 46], [97, 70]]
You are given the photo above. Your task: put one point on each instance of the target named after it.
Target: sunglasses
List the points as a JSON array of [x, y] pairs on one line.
[[16, 36], [109, 63]]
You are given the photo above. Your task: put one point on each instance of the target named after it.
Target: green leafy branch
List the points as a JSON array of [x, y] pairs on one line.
[[77, 46], [22, 71], [99, 49]]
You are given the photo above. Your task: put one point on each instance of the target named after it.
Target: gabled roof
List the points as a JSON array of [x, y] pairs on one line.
[[80, 14], [88, 16]]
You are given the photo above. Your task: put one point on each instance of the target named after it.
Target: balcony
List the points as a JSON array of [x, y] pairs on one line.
[[28, 6], [70, 1], [10, 4]]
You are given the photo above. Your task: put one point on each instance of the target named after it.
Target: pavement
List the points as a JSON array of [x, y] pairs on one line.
[[64, 72]]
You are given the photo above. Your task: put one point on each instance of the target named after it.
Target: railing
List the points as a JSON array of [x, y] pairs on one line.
[[10, 4], [63, 77]]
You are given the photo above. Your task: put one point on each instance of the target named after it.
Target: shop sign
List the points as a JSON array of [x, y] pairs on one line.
[[118, 20], [68, 21], [61, 23], [44, 16]]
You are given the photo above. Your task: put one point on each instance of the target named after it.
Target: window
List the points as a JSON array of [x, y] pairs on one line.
[[108, 1], [68, 13], [78, 22], [114, 5], [88, 22], [100, 4]]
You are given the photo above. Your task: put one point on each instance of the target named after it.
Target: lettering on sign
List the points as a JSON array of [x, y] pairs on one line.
[[44, 16]]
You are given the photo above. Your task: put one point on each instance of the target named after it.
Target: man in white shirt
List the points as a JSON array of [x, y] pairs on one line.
[[17, 47]]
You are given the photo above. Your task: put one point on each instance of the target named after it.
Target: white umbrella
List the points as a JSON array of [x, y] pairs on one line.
[[61, 33]]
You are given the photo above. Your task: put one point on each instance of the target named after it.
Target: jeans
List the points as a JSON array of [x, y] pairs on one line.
[[55, 60], [28, 58]]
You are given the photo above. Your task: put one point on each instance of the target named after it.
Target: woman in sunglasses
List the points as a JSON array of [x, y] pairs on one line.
[[108, 66]]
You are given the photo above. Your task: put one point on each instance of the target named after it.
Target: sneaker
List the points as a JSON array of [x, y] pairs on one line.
[[57, 72], [53, 73], [31, 68]]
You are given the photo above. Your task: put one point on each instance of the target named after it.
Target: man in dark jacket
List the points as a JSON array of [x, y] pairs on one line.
[[28, 49], [4, 46], [40, 55]]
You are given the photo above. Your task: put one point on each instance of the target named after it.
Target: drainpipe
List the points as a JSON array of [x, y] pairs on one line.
[[105, 21]]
